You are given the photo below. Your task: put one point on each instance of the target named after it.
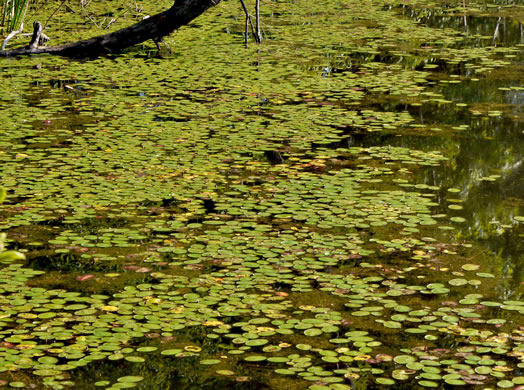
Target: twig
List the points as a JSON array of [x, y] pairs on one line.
[[246, 33], [93, 21], [137, 8], [11, 35], [115, 19], [496, 32], [53, 14]]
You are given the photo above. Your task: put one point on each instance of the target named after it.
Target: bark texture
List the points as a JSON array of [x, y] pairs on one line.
[[154, 27]]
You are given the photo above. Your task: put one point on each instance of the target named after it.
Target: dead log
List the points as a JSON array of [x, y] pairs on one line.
[[154, 27]]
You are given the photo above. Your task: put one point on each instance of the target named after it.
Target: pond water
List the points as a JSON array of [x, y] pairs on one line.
[[340, 207]]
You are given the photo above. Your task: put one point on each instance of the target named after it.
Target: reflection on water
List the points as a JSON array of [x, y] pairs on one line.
[[486, 163], [491, 93], [494, 30]]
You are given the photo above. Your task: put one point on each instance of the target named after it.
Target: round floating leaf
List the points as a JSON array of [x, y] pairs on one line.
[[401, 374], [458, 282], [430, 375], [483, 370], [256, 342], [312, 332], [17, 384], [392, 324], [404, 359], [170, 352], [146, 349], [285, 371], [415, 366], [255, 358], [47, 360], [47, 372], [339, 341], [130, 379], [385, 381], [304, 347], [484, 275], [426, 383], [135, 359], [225, 372], [8, 256], [210, 361], [192, 348]]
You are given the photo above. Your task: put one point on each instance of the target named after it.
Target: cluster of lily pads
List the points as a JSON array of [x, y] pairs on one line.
[[227, 216]]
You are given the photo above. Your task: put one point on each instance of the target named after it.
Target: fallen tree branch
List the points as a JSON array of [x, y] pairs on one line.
[[154, 27], [11, 35]]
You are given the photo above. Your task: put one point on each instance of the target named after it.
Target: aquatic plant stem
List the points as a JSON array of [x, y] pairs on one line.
[[53, 14], [248, 20], [258, 35]]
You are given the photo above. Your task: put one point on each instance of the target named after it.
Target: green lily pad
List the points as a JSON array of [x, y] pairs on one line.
[[130, 379], [426, 383], [210, 361], [225, 372], [404, 359], [385, 381]]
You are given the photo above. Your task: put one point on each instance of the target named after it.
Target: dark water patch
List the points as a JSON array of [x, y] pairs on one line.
[[498, 88], [274, 157], [50, 261]]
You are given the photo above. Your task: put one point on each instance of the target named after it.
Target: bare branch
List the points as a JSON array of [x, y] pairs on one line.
[[258, 35], [53, 14], [11, 35], [248, 19]]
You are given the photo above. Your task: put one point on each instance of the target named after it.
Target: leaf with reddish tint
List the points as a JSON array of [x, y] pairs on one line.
[[83, 278]]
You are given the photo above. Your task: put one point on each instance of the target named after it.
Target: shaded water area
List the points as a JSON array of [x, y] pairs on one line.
[[340, 207]]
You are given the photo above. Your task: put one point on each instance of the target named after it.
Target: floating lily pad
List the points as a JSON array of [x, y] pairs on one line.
[[130, 379], [470, 267], [404, 359], [426, 383], [210, 361], [225, 372], [385, 381]]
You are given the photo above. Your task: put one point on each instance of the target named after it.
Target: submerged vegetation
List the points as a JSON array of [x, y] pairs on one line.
[[340, 207]]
